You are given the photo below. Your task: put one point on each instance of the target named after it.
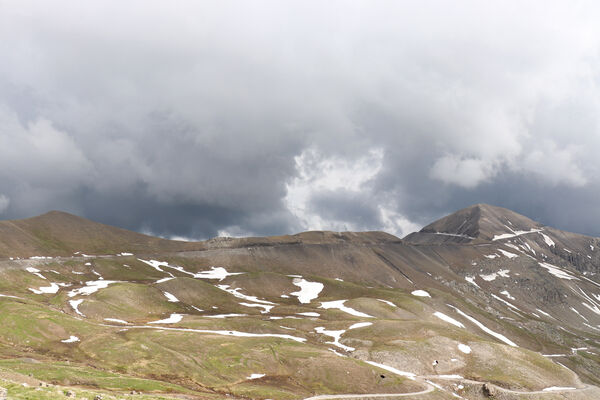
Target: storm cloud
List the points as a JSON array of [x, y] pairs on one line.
[[195, 119]]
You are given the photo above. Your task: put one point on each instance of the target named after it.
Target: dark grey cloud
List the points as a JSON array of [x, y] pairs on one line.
[[265, 118]]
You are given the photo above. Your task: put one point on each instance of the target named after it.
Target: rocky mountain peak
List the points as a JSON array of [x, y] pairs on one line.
[[479, 222]]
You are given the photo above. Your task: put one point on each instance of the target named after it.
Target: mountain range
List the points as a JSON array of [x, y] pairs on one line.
[[482, 303]]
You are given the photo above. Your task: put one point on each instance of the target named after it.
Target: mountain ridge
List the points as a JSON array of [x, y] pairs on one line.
[[294, 316]]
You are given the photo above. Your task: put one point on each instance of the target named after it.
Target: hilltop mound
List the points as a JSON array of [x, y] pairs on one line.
[[479, 222], [59, 233]]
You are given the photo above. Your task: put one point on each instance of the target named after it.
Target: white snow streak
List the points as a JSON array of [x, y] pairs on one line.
[[339, 304]]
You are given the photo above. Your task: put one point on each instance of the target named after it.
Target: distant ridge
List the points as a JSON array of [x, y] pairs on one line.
[[57, 233]]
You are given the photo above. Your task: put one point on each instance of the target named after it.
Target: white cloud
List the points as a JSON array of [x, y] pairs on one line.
[[318, 173], [556, 165], [465, 172]]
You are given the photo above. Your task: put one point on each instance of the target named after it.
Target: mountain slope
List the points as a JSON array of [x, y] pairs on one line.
[[479, 222], [516, 305]]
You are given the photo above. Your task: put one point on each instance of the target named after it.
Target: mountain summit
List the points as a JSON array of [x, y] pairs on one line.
[[477, 223]]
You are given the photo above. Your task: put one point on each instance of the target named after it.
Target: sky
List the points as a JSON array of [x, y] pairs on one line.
[[193, 119]]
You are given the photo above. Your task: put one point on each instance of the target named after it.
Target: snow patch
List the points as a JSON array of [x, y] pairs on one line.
[[558, 388], [339, 304], [53, 288], [170, 297], [471, 280], [336, 335], [464, 348], [420, 293], [448, 319], [485, 328], [71, 339], [173, 319], [266, 308], [35, 271], [393, 370], [360, 325], [389, 303], [239, 295], [513, 234], [309, 314], [155, 264], [91, 287], [507, 294], [549, 241], [118, 321], [308, 290], [556, 271], [220, 316], [507, 253], [75, 306]]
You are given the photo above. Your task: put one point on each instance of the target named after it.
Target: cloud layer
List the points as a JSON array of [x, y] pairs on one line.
[[244, 118]]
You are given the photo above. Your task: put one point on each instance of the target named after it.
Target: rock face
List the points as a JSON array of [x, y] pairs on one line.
[[488, 390]]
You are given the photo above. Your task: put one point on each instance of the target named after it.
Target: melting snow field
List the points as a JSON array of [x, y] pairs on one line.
[[170, 297], [239, 295], [549, 241], [336, 335], [505, 302], [118, 321], [559, 273], [309, 314], [507, 253], [224, 333], [53, 288], [448, 319], [91, 287], [507, 294], [265, 307], [514, 234], [502, 273], [464, 348], [393, 370], [255, 376], [360, 325], [35, 271], [173, 319], [155, 264], [71, 339], [485, 328], [75, 305], [308, 290], [471, 280], [225, 315], [339, 304], [389, 303], [420, 293], [219, 273]]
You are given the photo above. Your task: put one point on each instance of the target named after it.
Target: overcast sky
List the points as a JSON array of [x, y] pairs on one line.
[[194, 119]]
